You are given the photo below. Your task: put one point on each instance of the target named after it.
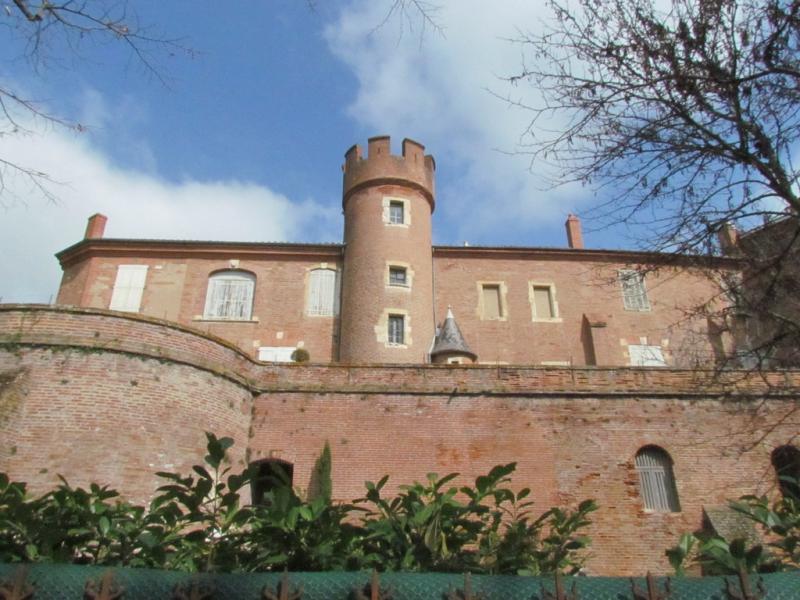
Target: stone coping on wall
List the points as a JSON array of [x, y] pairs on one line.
[[98, 330]]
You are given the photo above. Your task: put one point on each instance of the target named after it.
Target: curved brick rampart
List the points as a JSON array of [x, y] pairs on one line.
[[102, 330], [95, 396]]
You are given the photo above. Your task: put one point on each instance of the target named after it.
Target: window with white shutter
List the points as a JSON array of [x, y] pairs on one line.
[[323, 293], [634, 293], [642, 355], [128, 288], [230, 296], [656, 480]]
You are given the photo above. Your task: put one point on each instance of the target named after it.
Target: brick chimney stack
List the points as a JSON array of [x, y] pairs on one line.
[[574, 235], [95, 227]]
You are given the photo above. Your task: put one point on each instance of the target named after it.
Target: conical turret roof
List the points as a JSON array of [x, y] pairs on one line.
[[450, 340]]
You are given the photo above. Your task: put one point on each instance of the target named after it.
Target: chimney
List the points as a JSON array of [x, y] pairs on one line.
[[95, 227], [728, 237], [574, 235]]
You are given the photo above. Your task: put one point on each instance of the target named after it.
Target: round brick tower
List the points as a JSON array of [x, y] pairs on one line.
[[387, 284]]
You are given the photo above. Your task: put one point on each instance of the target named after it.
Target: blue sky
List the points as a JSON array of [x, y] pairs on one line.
[[246, 140]]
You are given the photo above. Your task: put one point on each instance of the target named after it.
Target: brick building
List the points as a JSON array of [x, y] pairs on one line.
[[592, 369]]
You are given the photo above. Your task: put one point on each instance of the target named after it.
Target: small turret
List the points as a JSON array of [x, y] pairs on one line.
[[450, 346]]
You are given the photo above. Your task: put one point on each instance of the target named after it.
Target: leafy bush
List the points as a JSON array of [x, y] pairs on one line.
[[199, 522], [300, 355], [780, 520]]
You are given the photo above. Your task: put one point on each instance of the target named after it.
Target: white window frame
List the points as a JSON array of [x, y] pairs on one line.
[[128, 288], [645, 355], [220, 306], [657, 480], [634, 291], [322, 297]]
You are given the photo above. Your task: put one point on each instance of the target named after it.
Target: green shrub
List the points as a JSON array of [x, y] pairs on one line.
[[199, 522]]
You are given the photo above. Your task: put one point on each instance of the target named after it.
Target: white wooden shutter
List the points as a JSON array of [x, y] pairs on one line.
[[276, 353], [128, 288], [322, 292], [657, 480]]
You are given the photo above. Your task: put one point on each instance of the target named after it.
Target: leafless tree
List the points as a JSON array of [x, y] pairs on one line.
[[688, 118], [49, 34]]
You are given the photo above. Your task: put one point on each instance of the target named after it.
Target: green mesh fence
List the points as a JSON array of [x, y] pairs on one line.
[[57, 582]]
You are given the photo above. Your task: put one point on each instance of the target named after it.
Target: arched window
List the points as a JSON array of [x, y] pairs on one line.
[[230, 295], [656, 480], [323, 293], [272, 473], [786, 461]]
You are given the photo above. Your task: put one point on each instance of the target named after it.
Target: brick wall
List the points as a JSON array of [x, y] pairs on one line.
[[98, 396]]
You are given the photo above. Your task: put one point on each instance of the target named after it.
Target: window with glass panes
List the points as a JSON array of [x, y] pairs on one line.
[[634, 293], [396, 212], [230, 296], [396, 329], [397, 276]]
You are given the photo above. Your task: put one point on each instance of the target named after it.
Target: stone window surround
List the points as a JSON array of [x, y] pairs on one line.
[[556, 318], [382, 328], [387, 200], [337, 291], [503, 300], [409, 275]]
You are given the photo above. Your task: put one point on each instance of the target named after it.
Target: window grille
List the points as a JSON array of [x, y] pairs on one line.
[[656, 479], [397, 276], [128, 288], [634, 294], [230, 296], [323, 291], [396, 329], [396, 212]]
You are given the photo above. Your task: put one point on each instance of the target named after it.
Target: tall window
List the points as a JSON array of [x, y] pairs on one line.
[[128, 288], [656, 480], [322, 293], [271, 473], [398, 276], [396, 329], [230, 296], [397, 212], [543, 305], [786, 461], [634, 294], [492, 304]]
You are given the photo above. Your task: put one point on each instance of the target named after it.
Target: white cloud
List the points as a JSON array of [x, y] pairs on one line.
[[138, 205], [435, 89]]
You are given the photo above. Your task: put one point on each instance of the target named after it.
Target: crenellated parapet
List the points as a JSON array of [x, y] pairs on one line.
[[413, 168]]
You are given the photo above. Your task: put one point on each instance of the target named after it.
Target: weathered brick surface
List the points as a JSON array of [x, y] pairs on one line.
[[99, 396], [176, 288], [90, 413]]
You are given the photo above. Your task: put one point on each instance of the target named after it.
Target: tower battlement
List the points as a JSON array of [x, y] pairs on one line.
[[380, 167]]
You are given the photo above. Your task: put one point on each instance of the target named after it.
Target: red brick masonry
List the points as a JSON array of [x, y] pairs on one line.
[[96, 395]]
